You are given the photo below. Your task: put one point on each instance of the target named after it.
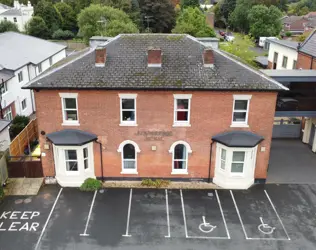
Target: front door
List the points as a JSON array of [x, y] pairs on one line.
[[275, 60]]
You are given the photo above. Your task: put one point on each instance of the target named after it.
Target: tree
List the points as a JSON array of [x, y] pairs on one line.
[[37, 27], [189, 3], [159, 15], [238, 19], [193, 22], [7, 2], [50, 15], [68, 15], [98, 20], [265, 21], [227, 7], [8, 26]]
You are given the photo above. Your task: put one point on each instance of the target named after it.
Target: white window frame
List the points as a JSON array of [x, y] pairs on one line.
[[128, 96], [175, 110], [120, 150], [244, 163], [86, 159], [283, 62], [20, 76], [65, 121], [223, 160], [188, 151], [24, 100], [8, 111], [68, 172], [242, 124], [39, 66], [5, 88], [15, 20]]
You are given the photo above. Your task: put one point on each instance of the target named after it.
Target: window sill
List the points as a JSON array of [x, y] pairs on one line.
[[236, 125], [128, 124], [180, 172], [65, 123], [72, 173], [129, 172], [181, 125]]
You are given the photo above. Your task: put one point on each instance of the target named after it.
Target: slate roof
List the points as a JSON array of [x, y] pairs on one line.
[[244, 139], [71, 137], [17, 50], [182, 68], [309, 45], [12, 12], [286, 43], [5, 74]]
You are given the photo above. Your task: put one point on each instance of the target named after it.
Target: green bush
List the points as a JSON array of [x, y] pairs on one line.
[[18, 124], [155, 183], [63, 35], [91, 184], [288, 33]]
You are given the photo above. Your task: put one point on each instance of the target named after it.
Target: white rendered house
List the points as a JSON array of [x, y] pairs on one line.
[[20, 14], [23, 58]]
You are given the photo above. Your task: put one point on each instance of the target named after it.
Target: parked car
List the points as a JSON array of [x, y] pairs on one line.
[[287, 104]]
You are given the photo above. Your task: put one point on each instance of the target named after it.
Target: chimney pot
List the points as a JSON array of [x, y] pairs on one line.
[[100, 56], [154, 57], [208, 57]]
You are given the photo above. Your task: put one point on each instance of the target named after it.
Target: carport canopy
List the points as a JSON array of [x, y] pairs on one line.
[[71, 137], [244, 139]]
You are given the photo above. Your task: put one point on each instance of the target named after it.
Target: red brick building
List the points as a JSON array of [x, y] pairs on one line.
[[157, 106], [307, 53]]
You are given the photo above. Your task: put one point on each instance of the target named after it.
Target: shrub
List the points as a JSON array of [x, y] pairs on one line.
[[91, 184], [63, 34], [288, 33], [155, 183], [18, 124]]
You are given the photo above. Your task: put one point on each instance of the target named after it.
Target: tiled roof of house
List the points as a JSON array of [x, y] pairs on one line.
[[17, 50], [312, 23], [290, 19], [12, 12], [182, 68], [309, 45], [286, 43]]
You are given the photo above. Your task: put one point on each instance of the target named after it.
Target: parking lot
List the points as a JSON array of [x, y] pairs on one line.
[[264, 217]]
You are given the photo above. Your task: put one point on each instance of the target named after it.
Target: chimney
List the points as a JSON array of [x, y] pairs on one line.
[[100, 56], [208, 58], [154, 57]]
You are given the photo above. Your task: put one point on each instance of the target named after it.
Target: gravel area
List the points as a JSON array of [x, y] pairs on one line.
[[172, 185]]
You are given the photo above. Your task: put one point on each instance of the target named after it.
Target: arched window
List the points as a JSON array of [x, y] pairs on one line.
[[180, 152], [128, 150], [129, 157]]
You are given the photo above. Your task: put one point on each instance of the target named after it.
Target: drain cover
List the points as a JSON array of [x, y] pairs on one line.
[[18, 201], [210, 194], [101, 191]]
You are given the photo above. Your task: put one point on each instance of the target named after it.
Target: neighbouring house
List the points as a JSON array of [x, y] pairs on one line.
[[282, 54], [299, 24], [155, 106], [4, 135], [20, 14], [307, 53], [23, 58]]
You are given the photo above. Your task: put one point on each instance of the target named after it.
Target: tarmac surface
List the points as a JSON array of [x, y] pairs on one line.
[[263, 217]]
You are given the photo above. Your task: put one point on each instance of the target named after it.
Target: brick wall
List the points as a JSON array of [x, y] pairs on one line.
[[305, 62], [211, 113]]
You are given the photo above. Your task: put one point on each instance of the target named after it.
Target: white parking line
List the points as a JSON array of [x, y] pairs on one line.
[[287, 235], [183, 212], [48, 218], [128, 214], [167, 209], [203, 237], [237, 210], [223, 216], [257, 238], [89, 215]]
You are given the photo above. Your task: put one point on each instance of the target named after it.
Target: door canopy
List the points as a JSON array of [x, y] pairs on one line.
[[244, 139], [71, 137]]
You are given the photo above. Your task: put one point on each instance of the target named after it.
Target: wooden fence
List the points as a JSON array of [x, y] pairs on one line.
[[24, 138], [25, 166]]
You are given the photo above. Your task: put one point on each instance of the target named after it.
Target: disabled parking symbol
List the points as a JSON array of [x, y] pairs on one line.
[[265, 228], [206, 227]]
